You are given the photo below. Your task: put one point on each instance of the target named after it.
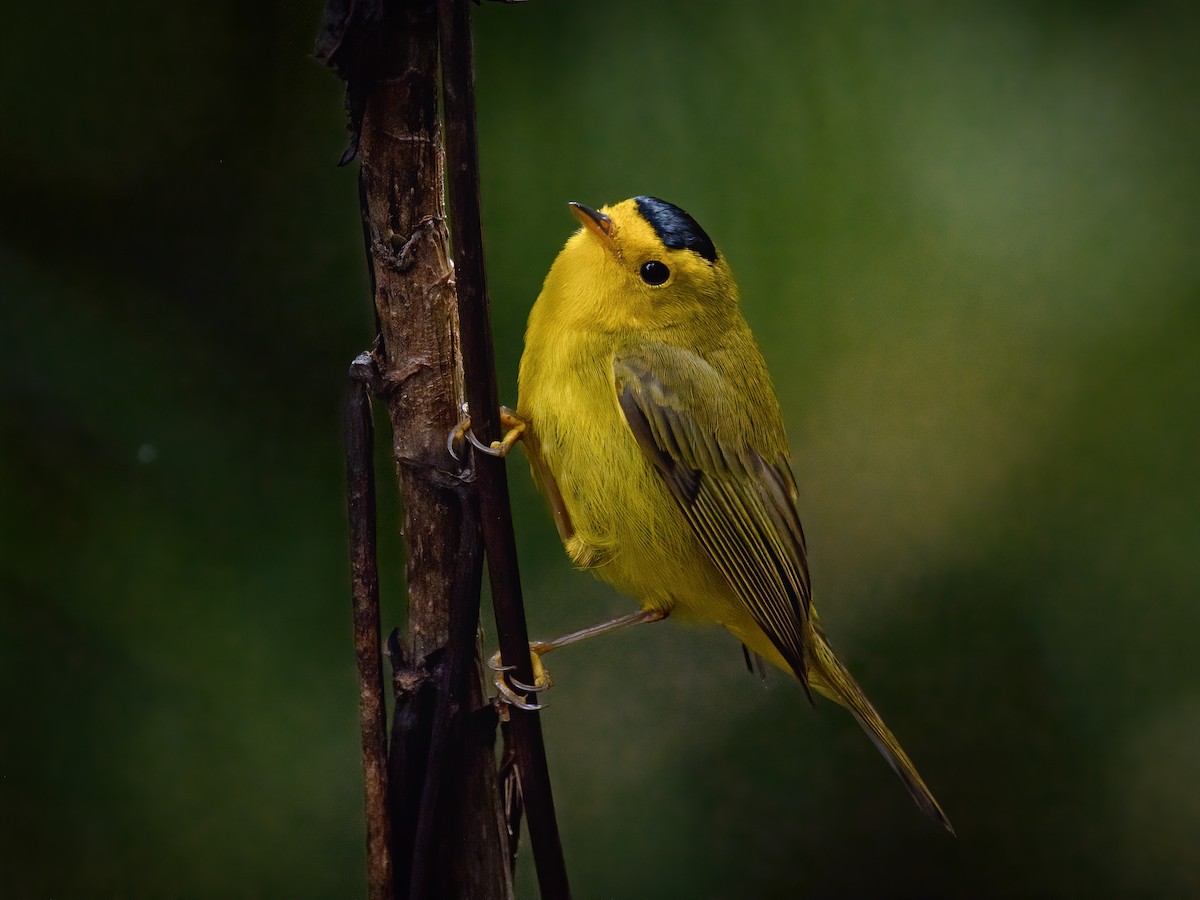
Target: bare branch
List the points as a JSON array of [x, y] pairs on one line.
[[364, 572], [447, 830]]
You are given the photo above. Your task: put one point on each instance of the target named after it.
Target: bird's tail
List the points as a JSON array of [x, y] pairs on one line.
[[828, 676]]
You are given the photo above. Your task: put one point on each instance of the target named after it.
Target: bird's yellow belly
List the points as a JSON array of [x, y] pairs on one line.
[[627, 528]]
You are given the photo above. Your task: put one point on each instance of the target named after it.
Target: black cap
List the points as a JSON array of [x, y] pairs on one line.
[[675, 228]]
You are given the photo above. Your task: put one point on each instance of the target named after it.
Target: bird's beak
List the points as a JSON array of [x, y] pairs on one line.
[[596, 222]]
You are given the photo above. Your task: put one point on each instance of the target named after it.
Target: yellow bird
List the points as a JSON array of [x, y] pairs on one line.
[[652, 426]]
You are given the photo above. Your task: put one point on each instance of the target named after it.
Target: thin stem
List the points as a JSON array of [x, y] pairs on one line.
[[364, 577]]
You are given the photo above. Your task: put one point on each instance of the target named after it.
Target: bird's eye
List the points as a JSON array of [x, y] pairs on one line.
[[655, 272]]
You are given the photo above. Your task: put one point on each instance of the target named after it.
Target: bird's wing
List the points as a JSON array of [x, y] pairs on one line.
[[692, 426]]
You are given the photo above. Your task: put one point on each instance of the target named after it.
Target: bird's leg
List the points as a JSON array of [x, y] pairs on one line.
[[505, 684], [541, 648], [514, 427]]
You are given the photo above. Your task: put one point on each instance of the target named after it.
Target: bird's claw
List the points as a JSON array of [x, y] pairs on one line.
[[493, 449], [505, 683], [514, 429], [456, 434], [529, 688], [512, 698]]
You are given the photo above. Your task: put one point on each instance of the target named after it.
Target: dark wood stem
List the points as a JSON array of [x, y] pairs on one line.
[[364, 577], [458, 97]]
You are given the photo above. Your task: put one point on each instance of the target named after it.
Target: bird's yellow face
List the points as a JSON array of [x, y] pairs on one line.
[[639, 265]]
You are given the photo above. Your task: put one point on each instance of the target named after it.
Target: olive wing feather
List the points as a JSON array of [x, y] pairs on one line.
[[690, 424]]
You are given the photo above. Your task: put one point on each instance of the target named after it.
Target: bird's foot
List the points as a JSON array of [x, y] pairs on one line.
[[507, 686], [513, 425]]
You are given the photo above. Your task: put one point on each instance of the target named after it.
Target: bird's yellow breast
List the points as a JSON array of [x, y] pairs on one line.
[[625, 525]]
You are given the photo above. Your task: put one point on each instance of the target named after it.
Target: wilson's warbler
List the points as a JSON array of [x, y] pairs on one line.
[[652, 426]]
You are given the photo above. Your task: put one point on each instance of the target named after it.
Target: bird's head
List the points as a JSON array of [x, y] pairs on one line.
[[642, 264]]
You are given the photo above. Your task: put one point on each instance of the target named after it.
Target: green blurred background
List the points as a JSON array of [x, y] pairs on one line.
[[968, 236]]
